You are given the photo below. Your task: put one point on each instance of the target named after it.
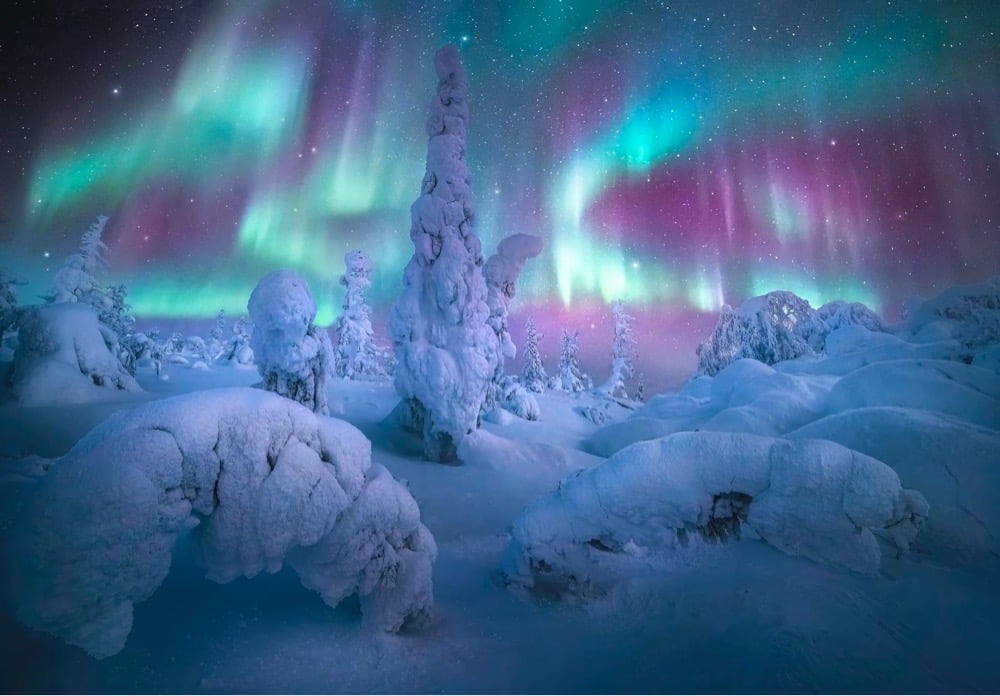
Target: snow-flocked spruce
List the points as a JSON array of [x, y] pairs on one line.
[[808, 498], [216, 343], [533, 375], [445, 351], [293, 355], [623, 353], [65, 355], [258, 479], [356, 354], [501, 272], [569, 378], [79, 278], [8, 304]]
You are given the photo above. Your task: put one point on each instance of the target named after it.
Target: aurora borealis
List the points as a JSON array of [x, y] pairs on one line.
[[676, 155]]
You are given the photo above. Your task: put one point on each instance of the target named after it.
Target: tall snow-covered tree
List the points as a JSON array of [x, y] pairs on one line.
[[356, 354], [623, 352], [8, 302], [294, 356], [79, 279], [501, 272], [569, 378], [533, 375], [446, 352], [216, 342], [116, 314]]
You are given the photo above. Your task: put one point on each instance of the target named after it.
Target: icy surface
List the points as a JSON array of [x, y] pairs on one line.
[[807, 498], [66, 356], [259, 478]]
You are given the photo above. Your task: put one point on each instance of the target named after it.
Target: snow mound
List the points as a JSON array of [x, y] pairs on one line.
[[259, 478], [968, 313], [809, 498], [954, 463], [66, 356], [942, 386]]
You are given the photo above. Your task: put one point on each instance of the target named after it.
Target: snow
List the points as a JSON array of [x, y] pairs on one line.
[[66, 356], [807, 498], [293, 355], [718, 556], [259, 479]]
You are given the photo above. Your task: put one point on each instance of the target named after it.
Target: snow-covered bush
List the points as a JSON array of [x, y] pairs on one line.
[[356, 354], [533, 375], [569, 378], [809, 498], [769, 328], [293, 355], [237, 349], [446, 352], [501, 272], [259, 480], [79, 278], [521, 403], [967, 313], [623, 353], [65, 355]]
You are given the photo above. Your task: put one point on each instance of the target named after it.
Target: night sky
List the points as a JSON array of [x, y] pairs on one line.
[[676, 155]]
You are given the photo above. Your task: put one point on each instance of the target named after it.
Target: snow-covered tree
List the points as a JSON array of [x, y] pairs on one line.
[[533, 375], [501, 272], [237, 349], [446, 352], [216, 342], [357, 354], [569, 378], [294, 356], [8, 302], [79, 279], [623, 352]]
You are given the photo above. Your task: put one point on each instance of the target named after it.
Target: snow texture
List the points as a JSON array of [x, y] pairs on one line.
[[808, 498], [446, 352], [356, 354], [293, 355], [258, 479], [66, 356]]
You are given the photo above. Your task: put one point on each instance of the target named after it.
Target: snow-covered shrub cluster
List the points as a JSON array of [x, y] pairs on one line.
[[446, 352], [259, 480], [293, 355], [969, 314], [356, 354], [778, 326], [807, 498], [65, 355]]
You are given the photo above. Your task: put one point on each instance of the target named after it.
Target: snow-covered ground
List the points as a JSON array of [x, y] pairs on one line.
[[708, 615]]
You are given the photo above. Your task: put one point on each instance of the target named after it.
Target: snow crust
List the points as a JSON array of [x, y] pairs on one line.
[[809, 498], [259, 480], [66, 356]]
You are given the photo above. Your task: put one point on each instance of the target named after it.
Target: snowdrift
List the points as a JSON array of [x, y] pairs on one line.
[[809, 498], [260, 479], [66, 356]]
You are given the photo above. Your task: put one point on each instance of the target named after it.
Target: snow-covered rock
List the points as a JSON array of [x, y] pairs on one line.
[[259, 479], [809, 498], [294, 356], [66, 356]]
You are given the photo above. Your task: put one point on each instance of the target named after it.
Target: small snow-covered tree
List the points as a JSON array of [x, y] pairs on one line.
[[237, 349], [294, 356], [533, 375], [501, 272], [79, 278], [446, 352], [8, 302], [569, 378], [116, 314], [357, 354], [623, 352], [216, 342]]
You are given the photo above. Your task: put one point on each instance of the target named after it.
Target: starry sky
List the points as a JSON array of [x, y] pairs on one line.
[[676, 155]]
